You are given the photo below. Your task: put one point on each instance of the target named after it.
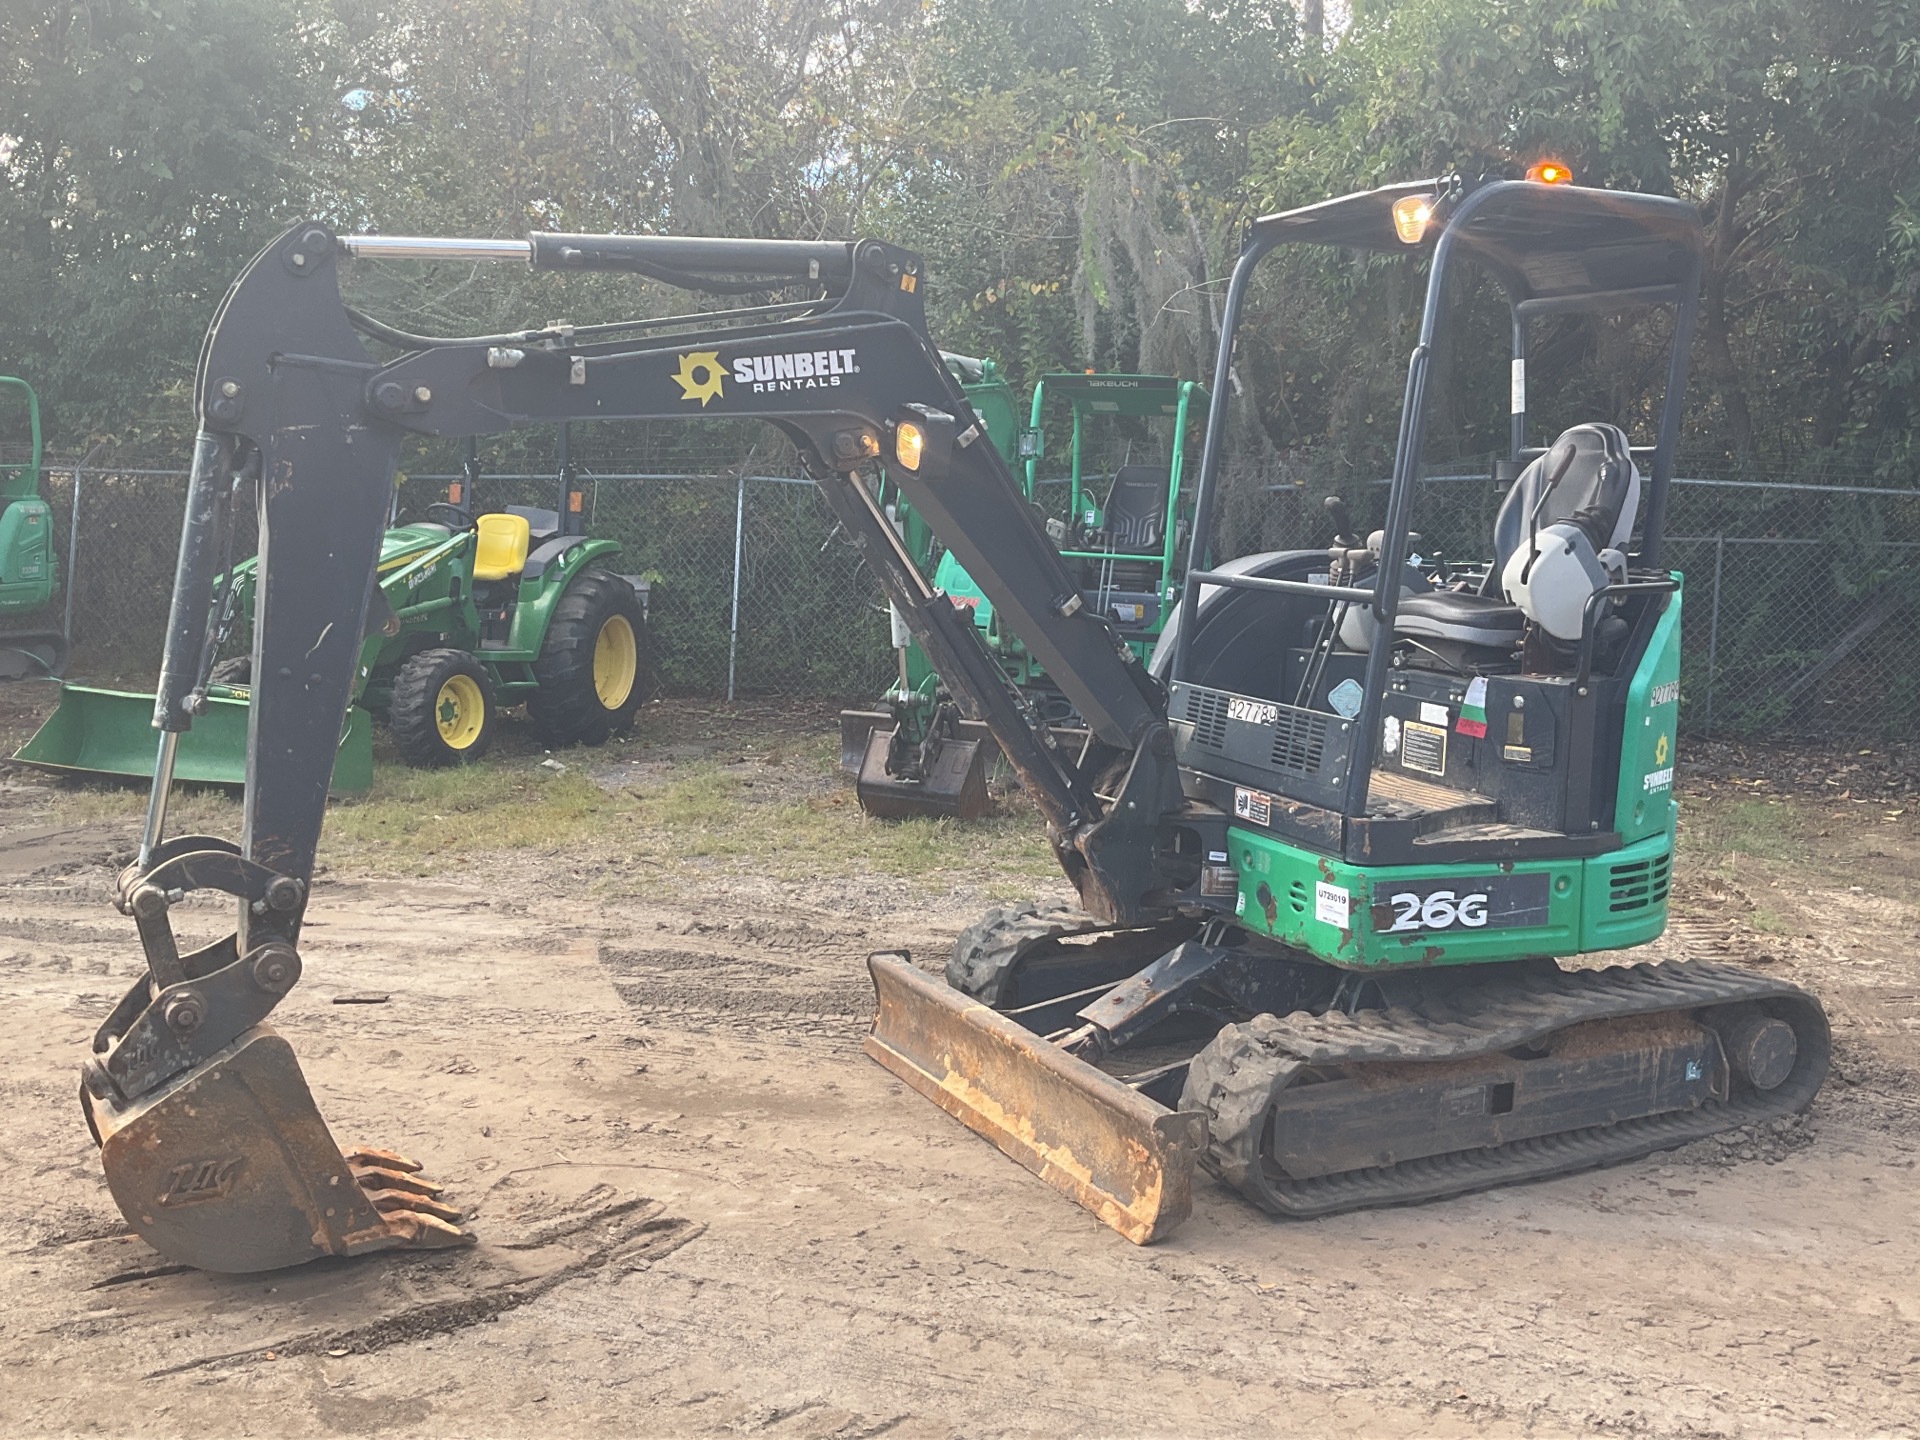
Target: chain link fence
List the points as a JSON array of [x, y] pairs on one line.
[[1801, 594], [752, 592]]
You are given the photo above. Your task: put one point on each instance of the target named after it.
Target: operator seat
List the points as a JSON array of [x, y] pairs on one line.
[[1599, 487], [1136, 513], [500, 550], [545, 524]]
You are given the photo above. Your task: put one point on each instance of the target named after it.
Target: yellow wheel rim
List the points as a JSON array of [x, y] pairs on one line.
[[460, 712], [616, 662]]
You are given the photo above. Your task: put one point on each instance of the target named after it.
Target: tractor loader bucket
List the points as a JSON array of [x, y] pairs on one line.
[[955, 785], [1122, 1156], [230, 1168], [110, 732]]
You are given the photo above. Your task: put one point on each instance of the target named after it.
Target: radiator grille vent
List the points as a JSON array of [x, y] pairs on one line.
[[1207, 709], [1299, 741], [1639, 885]]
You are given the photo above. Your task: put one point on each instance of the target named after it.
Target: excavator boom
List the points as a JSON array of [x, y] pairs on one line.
[[212, 1145]]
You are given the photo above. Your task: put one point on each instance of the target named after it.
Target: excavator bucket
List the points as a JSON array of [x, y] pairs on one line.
[[94, 732], [955, 784], [1122, 1156], [856, 728], [230, 1168]]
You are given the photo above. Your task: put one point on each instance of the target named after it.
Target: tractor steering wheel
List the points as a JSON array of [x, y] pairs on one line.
[[453, 515]]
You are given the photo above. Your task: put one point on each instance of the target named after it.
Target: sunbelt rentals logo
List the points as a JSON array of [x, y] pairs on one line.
[[701, 377], [798, 370]]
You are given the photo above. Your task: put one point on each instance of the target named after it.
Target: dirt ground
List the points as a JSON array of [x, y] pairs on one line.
[[703, 1211]]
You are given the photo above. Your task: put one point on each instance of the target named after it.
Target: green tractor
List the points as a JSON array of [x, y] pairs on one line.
[[1124, 539], [472, 612], [29, 566]]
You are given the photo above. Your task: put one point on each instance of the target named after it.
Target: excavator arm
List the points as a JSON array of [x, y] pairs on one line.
[[211, 1142]]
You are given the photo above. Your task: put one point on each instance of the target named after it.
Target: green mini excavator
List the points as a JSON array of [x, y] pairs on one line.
[[1331, 849]]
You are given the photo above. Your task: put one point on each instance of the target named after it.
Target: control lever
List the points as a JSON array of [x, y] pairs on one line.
[[1555, 465], [1343, 535]]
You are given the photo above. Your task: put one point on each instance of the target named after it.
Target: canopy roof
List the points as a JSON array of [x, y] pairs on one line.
[[1117, 394], [1552, 247]]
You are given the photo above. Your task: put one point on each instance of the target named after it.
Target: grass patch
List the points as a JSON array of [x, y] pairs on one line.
[[411, 817], [1719, 833], [785, 816], [698, 793], [719, 813], [191, 810]]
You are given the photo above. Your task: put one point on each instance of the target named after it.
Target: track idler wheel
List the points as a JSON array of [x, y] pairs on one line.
[[230, 1168]]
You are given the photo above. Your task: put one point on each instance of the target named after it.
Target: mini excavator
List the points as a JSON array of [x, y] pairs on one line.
[[1329, 847]]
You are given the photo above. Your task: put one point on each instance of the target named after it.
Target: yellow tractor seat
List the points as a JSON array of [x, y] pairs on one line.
[[501, 549]]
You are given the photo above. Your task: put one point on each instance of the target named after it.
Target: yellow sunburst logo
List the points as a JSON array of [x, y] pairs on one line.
[[1660, 751], [701, 377]]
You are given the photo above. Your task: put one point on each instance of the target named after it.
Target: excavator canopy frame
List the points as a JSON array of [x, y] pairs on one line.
[[1553, 248]]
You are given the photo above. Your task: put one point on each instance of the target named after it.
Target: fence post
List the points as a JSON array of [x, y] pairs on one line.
[[73, 548], [739, 532], [1713, 631]]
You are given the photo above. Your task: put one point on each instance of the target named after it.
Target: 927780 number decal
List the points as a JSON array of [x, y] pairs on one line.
[[1492, 902]]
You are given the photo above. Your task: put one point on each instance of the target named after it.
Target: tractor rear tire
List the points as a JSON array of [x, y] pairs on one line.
[[236, 670], [597, 665], [442, 712]]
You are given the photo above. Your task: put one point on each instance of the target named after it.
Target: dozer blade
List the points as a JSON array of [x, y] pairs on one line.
[[110, 732], [230, 1168], [956, 786], [1124, 1157]]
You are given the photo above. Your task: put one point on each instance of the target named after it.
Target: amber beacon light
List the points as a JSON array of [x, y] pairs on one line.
[[1410, 216], [1549, 172]]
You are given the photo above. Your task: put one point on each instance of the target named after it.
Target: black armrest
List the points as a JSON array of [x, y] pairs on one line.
[[546, 553]]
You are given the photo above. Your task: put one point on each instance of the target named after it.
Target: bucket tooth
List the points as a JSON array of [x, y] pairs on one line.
[[955, 785], [1122, 1156], [230, 1168]]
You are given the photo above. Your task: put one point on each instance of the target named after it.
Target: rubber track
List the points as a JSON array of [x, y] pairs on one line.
[[1237, 1078], [1003, 942], [988, 951]]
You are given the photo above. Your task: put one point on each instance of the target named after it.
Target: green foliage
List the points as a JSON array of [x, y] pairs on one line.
[[1076, 171], [1790, 124], [153, 145]]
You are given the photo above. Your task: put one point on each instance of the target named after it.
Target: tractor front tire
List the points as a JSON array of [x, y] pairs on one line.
[[597, 665], [442, 711]]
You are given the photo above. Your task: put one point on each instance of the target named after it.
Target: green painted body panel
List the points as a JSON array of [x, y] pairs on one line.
[[534, 609], [1605, 902], [1645, 805], [1294, 895], [110, 732], [29, 565], [28, 569]]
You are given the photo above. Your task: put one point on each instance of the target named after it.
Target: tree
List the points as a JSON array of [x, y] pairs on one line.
[[154, 145]]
